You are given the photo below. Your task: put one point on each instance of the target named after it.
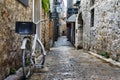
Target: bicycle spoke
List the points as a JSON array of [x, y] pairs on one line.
[[40, 58]]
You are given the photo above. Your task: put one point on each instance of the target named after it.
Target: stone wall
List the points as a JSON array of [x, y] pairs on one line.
[[62, 28], [46, 31], [10, 42], [85, 10], [104, 35], [10, 53]]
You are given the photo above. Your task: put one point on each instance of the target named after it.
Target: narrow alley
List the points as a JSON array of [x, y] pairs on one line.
[[59, 39], [64, 62]]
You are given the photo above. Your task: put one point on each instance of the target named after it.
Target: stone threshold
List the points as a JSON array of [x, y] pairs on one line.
[[109, 60]]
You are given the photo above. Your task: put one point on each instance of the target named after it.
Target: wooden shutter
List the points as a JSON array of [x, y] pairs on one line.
[[24, 2]]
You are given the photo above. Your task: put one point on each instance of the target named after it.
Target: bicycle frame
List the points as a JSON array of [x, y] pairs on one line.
[[36, 38], [31, 46], [23, 46]]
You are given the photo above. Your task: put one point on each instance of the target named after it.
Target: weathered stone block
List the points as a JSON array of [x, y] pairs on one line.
[[106, 30]]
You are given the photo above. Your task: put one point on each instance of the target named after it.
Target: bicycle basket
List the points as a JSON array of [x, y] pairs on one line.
[[25, 28]]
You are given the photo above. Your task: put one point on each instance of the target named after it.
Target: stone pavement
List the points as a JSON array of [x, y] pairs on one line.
[[66, 63]]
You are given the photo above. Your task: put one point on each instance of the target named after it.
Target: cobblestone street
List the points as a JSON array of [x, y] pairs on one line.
[[64, 62]]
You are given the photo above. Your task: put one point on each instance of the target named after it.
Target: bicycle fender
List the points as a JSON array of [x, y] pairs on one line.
[[44, 52], [23, 46]]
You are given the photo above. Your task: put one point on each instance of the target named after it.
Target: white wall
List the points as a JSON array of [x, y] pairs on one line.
[[51, 5]]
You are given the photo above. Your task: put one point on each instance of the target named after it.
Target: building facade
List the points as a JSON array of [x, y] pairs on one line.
[[70, 3], [71, 22], [10, 42], [98, 27]]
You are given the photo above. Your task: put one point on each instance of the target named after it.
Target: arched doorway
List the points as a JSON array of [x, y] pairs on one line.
[[80, 32]]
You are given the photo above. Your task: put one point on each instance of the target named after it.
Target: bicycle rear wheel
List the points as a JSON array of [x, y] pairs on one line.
[[26, 60], [40, 57]]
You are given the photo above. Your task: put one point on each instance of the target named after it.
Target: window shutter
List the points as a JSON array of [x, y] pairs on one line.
[[24, 2]]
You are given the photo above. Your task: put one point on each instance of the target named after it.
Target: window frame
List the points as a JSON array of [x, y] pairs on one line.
[[92, 2], [92, 17], [24, 2]]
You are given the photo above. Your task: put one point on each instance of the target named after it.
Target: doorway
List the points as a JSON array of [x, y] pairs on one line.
[[80, 31]]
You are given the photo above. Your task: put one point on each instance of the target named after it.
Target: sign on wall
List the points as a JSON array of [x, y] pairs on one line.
[[72, 11], [24, 2]]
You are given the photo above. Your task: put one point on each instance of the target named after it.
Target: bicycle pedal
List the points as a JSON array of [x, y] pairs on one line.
[[38, 66]]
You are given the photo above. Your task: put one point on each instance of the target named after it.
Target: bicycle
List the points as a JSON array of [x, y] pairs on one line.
[[33, 51]]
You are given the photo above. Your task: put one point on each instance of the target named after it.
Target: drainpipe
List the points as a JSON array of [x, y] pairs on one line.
[[40, 17], [33, 11]]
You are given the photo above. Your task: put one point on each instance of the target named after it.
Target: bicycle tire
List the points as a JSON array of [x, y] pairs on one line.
[[26, 61], [41, 56]]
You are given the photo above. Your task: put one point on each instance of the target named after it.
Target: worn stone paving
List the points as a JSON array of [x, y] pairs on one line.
[[64, 62]]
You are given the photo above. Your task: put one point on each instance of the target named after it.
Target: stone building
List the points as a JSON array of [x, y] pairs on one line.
[[98, 27], [62, 28], [70, 3], [10, 12], [70, 23]]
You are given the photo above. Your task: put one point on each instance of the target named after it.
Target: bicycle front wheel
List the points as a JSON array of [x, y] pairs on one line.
[[26, 61]]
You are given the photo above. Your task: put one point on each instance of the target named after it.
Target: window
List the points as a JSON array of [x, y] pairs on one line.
[[92, 2], [92, 17], [24, 2]]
